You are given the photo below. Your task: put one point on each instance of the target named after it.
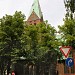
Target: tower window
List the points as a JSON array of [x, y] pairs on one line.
[[34, 23]]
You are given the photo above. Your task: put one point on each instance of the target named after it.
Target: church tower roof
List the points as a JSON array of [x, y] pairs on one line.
[[35, 15], [36, 8]]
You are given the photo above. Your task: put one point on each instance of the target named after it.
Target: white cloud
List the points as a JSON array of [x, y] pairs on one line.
[[4, 7], [53, 10]]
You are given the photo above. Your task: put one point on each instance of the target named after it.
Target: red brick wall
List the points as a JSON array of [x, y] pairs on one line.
[[34, 19], [73, 54], [69, 74], [60, 68]]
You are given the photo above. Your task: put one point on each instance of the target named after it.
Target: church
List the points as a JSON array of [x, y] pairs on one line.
[[36, 17]]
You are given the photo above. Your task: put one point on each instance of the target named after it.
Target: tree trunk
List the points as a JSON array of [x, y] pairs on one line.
[[2, 72], [8, 67], [52, 69], [49, 70], [30, 70], [34, 69], [38, 68]]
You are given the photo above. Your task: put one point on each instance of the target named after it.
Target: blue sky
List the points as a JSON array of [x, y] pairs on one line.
[[53, 10]]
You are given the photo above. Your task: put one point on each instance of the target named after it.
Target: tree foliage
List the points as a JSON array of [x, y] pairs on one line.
[[39, 45], [68, 32], [68, 28], [35, 43], [38, 40], [11, 29], [70, 7]]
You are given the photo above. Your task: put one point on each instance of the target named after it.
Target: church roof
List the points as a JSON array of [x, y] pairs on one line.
[[36, 8]]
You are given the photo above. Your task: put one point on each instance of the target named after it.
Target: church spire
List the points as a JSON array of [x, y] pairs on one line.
[[35, 13], [36, 8]]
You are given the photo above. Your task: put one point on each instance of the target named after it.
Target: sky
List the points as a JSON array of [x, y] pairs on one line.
[[53, 10]]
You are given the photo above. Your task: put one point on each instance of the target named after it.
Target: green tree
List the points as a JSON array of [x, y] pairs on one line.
[[68, 28], [39, 44], [70, 7], [68, 32], [11, 29]]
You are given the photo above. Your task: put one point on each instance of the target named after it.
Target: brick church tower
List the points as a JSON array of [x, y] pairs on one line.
[[35, 15]]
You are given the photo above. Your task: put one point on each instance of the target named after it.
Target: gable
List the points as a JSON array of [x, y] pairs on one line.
[[33, 16]]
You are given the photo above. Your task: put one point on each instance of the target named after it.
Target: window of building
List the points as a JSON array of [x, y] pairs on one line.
[[34, 23]]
